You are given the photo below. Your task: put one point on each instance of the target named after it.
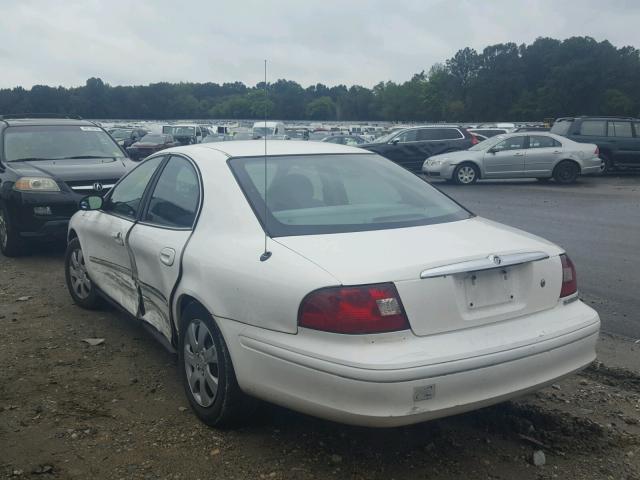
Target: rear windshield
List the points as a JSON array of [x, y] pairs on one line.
[[52, 142], [319, 194], [561, 127]]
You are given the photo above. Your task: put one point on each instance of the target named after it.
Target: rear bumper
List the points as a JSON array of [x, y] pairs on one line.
[[338, 380], [592, 166]]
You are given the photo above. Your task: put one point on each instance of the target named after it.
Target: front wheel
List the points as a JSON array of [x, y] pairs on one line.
[[11, 244], [207, 372], [81, 288], [466, 174], [566, 172]]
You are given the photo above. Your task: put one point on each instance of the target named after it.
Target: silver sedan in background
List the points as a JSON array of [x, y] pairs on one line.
[[538, 155]]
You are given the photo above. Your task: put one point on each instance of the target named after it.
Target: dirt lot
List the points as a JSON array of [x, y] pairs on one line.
[[117, 411]]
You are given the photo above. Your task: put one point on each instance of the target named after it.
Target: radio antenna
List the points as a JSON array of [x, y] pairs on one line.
[[266, 254]]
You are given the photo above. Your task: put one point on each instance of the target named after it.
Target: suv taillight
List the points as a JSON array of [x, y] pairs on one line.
[[569, 280], [354, 310], [474, 140]]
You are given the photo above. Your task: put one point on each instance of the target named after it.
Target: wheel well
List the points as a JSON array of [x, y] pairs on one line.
[[565, 161], [473, 164], [183, 302], [72, 235]]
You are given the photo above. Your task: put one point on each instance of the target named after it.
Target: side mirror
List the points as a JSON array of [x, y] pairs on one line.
[[394, 141], [92, 202], [492, 150]]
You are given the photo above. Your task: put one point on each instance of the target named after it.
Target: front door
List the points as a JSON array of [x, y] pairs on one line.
[[506, 158], [105, 236], [158, 240], [626, 147], [543, 153]]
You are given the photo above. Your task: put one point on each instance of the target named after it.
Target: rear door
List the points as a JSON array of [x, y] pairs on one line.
[[106, 233], [158, 240], [542, 155], [626, 147], [506, 158]]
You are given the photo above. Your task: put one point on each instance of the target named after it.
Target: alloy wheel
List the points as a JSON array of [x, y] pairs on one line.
[[466, 174], [78, 274], [201, 363]]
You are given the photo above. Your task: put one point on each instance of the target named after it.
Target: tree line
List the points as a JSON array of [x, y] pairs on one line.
[[509, 82]]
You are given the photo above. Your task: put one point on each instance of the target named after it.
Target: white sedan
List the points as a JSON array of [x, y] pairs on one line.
[[538, 155], [338, 284]]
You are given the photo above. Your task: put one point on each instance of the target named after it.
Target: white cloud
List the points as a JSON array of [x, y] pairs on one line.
[[331, 42]]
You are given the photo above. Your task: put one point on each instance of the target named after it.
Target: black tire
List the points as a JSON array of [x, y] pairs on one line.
[[229, 405], [11, 245], [566, 172], [466, 173], [81, 288], [607, 164]]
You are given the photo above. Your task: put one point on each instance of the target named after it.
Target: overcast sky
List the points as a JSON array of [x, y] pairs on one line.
[[137, 42]]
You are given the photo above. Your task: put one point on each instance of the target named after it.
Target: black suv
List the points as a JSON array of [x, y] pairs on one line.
[[410, 147], [618, 138], [46, 166]]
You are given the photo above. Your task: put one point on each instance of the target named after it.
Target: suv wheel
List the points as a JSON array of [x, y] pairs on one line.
[[10, 242], [80, 286], [466, 174], [566, 172], [207, 372]]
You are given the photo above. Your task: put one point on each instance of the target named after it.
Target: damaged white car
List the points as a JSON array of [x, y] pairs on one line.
[[329, 280]]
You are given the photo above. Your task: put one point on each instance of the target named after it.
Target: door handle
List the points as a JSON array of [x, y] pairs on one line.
[[167, 256], [117, 237]]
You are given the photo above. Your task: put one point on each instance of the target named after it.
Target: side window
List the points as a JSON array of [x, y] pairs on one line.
[[439, 134], [593, 128], [543, 142], [636, 125], [174, 202], [125, 197], [620, 129], [513, 143], [407, 136]]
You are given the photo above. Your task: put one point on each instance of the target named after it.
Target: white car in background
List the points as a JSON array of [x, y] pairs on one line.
[[340, 285], [538, 155]]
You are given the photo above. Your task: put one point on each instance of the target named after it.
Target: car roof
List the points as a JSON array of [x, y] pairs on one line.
[[255, 148], [46, 121]]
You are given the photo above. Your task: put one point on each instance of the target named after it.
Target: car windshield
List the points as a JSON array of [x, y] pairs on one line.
[[386, 138], [487, 144], [152, 138], [183, 131], [317, 194], [121, 134], [262, 131], [58, 141]]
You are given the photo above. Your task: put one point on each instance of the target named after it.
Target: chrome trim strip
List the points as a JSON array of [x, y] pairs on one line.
[[90, 187], [488, 263], [108, 264]]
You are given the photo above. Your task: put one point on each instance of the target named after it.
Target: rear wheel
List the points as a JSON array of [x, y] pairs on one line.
[[566, 172], [11, 244], [466, 174], [207, 372]]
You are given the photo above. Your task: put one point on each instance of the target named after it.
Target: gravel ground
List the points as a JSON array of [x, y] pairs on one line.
[[117, 411]]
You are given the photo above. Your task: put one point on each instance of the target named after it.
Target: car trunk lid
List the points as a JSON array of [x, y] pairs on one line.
[[447, 275]]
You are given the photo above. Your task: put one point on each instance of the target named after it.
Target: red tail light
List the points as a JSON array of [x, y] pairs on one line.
[[569, 280], [364, 309], [597, 152], [474, 140]]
